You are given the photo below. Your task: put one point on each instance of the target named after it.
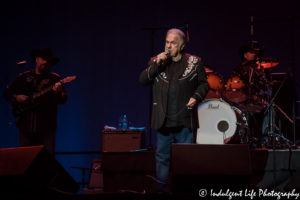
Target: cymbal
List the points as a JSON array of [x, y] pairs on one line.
[[208, 69], [267, 65]]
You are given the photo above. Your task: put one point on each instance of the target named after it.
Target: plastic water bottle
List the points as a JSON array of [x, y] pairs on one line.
[[123, 122]]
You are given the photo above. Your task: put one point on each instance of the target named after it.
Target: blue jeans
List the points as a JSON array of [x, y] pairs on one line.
[[165, 139]]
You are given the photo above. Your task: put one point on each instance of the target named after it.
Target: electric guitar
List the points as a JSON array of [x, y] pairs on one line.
[[19, 108]]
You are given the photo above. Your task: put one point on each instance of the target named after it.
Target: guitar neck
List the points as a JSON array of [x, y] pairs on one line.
[[42, 92]]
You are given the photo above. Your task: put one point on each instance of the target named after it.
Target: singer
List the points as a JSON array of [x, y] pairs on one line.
[[36, 119], [179, 82]]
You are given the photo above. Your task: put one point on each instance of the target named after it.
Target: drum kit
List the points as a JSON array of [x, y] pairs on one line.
[[224, 115]]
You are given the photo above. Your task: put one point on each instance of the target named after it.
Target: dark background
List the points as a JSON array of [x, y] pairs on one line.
[[108, 43]]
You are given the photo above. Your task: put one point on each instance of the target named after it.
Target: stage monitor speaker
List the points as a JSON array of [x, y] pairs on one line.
[[122, 141], [196, 166], [278, 169], [33, 168], [128, 171]]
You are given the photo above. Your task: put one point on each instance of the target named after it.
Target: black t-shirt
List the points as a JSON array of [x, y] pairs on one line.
[[173, 111]]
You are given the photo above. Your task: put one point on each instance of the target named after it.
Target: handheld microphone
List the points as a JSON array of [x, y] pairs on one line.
[[167, 52]]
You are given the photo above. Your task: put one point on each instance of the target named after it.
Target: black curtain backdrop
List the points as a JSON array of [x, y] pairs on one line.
[[108, 43]]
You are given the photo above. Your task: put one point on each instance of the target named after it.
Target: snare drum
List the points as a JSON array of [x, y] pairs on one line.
[[235, 90], [220, 123]]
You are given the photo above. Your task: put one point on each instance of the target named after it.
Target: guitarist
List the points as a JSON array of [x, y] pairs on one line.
[[36, 118]]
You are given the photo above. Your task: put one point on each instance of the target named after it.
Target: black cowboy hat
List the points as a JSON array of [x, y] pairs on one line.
[[253, 47], [46, 54]]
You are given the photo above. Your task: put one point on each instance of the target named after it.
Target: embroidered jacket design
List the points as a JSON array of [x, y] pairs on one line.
[[192, 61], [191, 64]]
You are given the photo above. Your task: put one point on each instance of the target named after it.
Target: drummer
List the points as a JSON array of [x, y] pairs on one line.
[[254, 76], [256, 88]]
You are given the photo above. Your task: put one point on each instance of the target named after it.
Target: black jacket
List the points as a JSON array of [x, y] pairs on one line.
[[42, 114], [192, 82]]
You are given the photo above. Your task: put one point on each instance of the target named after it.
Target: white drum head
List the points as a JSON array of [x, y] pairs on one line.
[[217, 122]]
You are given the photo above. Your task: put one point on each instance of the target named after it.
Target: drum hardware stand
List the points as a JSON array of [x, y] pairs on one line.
[[277, 133], [287, 141], [284, 114], [250, 138], [271, 110]]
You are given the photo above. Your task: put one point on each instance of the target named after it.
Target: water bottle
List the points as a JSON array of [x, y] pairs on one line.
[[123, 122]]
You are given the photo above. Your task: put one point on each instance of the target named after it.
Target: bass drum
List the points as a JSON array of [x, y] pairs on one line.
[[220, 123]]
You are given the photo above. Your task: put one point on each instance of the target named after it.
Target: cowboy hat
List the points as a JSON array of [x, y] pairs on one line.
[[46, 54], [253, 47]]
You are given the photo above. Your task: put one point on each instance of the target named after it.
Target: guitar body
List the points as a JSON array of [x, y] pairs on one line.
[[19, 109]]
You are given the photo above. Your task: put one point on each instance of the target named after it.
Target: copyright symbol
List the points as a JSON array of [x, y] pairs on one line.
[[202, 192]]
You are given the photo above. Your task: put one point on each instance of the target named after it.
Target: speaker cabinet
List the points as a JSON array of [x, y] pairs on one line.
[[27, 169], [128, 171], [195, 166], [122, 141]]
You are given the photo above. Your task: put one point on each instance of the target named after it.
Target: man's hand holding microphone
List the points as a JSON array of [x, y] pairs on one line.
[[162, 57]]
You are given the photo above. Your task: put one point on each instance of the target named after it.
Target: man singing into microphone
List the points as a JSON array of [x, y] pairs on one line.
[[179, 83]]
